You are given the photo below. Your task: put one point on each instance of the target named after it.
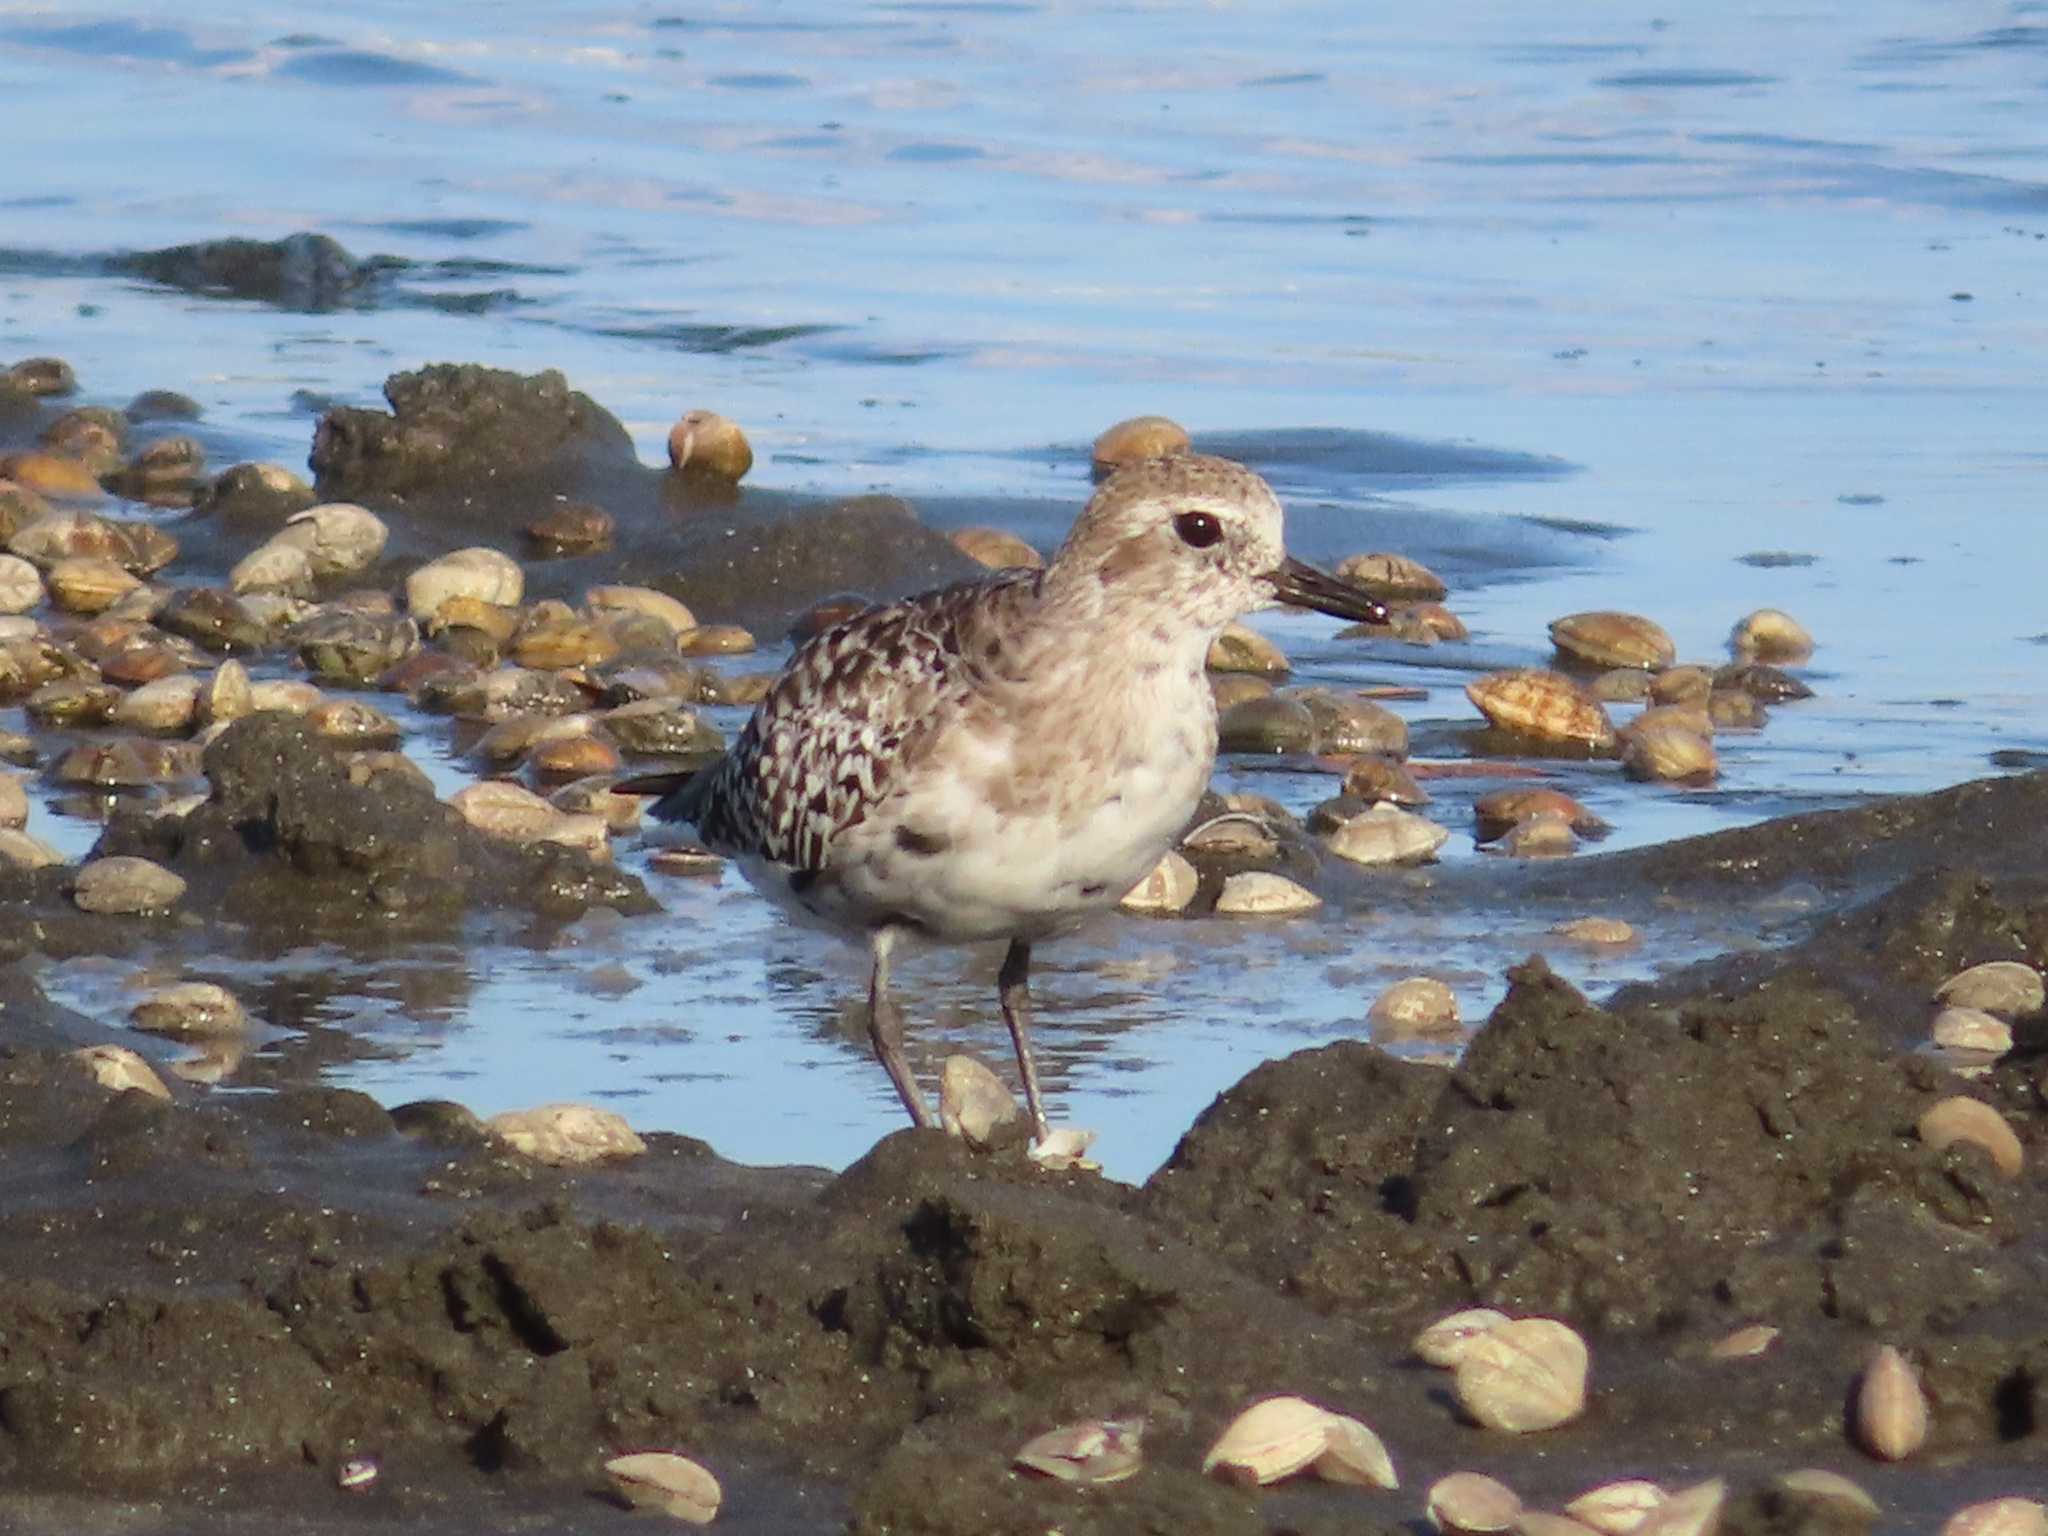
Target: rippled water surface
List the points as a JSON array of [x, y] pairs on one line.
[[1586, 307]]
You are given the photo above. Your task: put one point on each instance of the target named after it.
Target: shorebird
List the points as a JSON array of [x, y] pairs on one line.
[[1002, 758]]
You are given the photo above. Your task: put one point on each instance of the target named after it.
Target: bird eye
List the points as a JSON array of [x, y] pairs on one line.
[[1198, 530]]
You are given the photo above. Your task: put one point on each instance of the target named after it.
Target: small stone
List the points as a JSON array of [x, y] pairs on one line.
[[43, 377], [672, 1484], [1471, 1504], [191, 1008], [1136, 438], [14, 801], [1167, 889], [706, 442], [1523, 1376], [124, 885], [52, 475], [1240, 648], [1385, 834], [973, 1103], [117, 1068], [1596, 930], [1444, 1342], [571, 528], [2008, 988], [566, 1134], [1891, 1410], [997, 550], [1420, 1007], [1729, 709], [1090, 1453], [287, 695], [353, 723], [1965, 1119], [1770, 635], [1258, 893], [1769, 684], [1744, 1343]]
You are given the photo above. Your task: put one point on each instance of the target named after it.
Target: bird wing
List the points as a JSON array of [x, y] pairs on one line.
[[848, 714]]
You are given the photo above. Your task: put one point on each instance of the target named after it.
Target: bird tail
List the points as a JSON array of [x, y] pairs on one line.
[[681, 791]]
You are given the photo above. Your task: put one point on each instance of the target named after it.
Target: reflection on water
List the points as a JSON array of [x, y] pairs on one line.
[[1684, 314]]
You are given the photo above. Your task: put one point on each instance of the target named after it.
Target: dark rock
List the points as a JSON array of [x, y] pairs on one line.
[[302, 271], [255, 496], [214, 618]]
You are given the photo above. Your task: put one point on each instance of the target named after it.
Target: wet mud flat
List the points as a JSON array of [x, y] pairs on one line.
[[215, 1301]]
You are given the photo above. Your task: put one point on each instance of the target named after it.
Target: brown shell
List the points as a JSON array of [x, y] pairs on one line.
[[1138, 437], [1544, 705], [1608, 638], [1394, 578]]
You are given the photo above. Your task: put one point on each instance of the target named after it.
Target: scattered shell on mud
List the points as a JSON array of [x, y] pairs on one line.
[[1386, 834], [1471, 1504], [1668, 751], [973, 1102], [357, 1474], [1605, 638], [664, 1481], [1418, 1007], [120, 1069], [1596, 930], [339, 538], [21, 585], [22, 850], [1444, 1342], [1616, 1508], [1138, 437], [357, 648], [1682, 685], [1970, 1029], [1694, 1511], [1065, 1149], [1522, 1376], [1543, 836], [191, 1008], [1374, 778], [1169, 888], [1093, 1452], [1266, 723], [1761, 681], [1744, 1343], [273, 567], [1393, 578], [1280, 1436], [484, 574], [125, 885], [707, 442], [673, 615], [716, 640], [1240, 648], [1829, 1487], [1891, 1410], [1259, 893], [2010, 989], [568, 527], [1771, 635], [1963, 1118], [1999, 1517], [89, 584], [1624, 685], [1347, 723], [1542, 705], [997, 549], [565, 1134], [1501, 811]]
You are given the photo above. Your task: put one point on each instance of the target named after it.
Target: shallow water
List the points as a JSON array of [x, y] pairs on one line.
[[1685, 315]]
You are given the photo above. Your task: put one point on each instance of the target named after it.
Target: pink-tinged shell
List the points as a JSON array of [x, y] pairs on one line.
[[1523, 1376], [1138, 437], [662, 1480], [2011, 989], [1092, 1452], [1272, 1439], [1744, 1343], [1694, 1511], [1618, 1508], [1547, 706], [1819, 1483], [1891, 1410], [1962, 1118], [1444, 1342], [1472, 1504], [1999, 1517]]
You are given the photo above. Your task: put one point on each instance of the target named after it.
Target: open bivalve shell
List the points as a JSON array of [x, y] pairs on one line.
[[1999, 1517], [1617, 1508], [1093, 1452], [662, 1480], [1444, 1341], [1523, 1376], [1280, 1436]]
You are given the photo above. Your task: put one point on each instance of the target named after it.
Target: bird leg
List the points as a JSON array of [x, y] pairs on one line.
[[885, 1028], [1013, 985]]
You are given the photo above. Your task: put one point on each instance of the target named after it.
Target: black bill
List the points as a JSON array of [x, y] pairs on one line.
[[1303, 586]]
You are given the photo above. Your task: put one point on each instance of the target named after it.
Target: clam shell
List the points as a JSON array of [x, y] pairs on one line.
[[566, 1134], [1385, 834], [338, 537], [285, 694], [1415, 1007], [1280, 1436], [642, 600], [1523, 1376], [191, 1008], [1093, 1452], [1444, 1342], [1471, 1504], [1240, 648], [1818, 1483], [568, 527], [273, 567], [1543, 836], [1353, 1454], [1730, 709], [1617, 1508], [20, 850], [120, 1069], [168, 704], [1138, 437], [1543, 705], [1891, 1410], [1694, 1511], [126, 885], [1596, 930], [1668, 751], [1498, 813], [664, 1481], [1963, 1118], [13, 800], [1970, 1029], [1374, 779], [21, 585], [2008, 988], [973, 1101], [476, 572], [1168, 888], [1258, 893], [707, 441], [1744, 1343], [997, 549], [1771, 635], [716, 640], [89, 584], [1393, 578], [1064, 1149], [354, 723], [1999, 1517], [1607, 638], [1682, 685]]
